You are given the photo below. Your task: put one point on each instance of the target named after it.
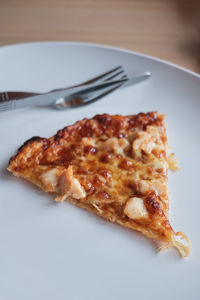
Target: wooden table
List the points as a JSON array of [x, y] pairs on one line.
[[168, 29]]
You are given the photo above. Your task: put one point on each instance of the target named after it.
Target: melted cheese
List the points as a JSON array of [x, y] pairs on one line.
[[172, 162], [144, 142], [115, 145], [88, 141], [159, 164], [147, 141]]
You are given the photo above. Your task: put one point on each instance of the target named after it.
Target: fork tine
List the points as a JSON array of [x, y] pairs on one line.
[[99, 78], [75, 103], [113, 73], [124, 76], [101, 95], [103, 76], [119, 75], [108, 90], [96, 96]]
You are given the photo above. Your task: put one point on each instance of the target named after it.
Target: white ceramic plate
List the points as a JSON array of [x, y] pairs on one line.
[[51, 251]]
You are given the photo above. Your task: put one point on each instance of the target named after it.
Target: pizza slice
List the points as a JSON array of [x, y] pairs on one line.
[[114, 166]]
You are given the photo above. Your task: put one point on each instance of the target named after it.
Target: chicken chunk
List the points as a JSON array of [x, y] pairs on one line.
[[70, 186], [135, 208]]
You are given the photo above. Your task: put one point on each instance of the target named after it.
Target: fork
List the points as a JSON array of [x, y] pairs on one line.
[[91, 95], [82, 94], [117, 72]]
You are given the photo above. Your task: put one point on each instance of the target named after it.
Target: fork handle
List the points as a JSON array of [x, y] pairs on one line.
[[6, 96]]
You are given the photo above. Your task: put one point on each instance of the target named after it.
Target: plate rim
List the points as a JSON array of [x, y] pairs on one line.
[[104, 46]]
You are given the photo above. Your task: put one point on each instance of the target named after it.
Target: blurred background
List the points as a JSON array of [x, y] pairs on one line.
[[168, 29]]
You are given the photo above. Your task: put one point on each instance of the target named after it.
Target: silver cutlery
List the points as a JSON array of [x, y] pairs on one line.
[[116, 73], [82, 94], [89, 96]]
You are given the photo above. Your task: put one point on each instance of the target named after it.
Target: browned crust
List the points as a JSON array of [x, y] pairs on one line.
[[113, 124], [27, 143], [106, 123]]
